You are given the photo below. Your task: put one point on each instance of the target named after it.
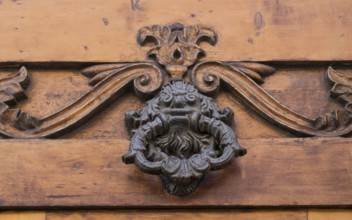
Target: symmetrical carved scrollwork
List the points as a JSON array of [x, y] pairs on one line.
[[181, 134]]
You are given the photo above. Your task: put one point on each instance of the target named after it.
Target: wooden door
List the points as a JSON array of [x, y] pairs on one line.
[[283, 68]]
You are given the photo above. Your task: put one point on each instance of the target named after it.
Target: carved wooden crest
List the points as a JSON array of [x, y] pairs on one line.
[[181, 134]]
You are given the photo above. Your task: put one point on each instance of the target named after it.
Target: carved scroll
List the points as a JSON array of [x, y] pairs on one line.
[[181, 134], [109, 82], [240, 84]]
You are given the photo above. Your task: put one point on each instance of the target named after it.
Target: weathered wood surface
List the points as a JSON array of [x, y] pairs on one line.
[[302, 214], [89, 30], [302, 90], [319, 214], [179, 214], [32, 215], [275, 172], [75, 173]]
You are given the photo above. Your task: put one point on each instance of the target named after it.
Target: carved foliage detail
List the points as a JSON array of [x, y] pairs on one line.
[[12, 90], [176, 46], [342, 87], [342, 91]]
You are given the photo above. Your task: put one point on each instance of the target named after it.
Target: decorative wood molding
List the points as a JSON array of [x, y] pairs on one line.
[[338, 122], [176, 46], [242, 86], [12, 90], [181, 134]]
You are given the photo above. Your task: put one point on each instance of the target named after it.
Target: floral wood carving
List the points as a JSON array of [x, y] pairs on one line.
[[339, 121], [181, 134], [176, 46]]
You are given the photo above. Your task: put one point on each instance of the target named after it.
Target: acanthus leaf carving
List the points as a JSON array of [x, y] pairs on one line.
[[341, 91], [13, 90], [176, 46], [342, 87]]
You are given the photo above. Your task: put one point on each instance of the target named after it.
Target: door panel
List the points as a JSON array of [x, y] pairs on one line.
[[83, 169], [92, 31], [276, 172]]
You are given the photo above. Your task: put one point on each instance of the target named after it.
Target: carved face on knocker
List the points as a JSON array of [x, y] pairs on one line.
[[180, 103], [181, 135]]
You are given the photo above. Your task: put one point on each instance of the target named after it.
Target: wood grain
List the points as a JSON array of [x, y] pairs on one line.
[[89, 30], [258, 100], [302, 214], [178, 214], [318, 214], [307, 85], [75, 173], [32, 215]]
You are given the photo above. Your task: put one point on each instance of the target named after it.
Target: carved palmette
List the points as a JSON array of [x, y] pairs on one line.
[[181, 134]]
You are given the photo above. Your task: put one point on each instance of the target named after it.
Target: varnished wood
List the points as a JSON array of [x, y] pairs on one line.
[[276, 172], [178, 214], [88, 30], [21, 124], [249, 30], [308, 85], [316, 214], [239, 83], [32, 215], [302, 214], [110, 80]]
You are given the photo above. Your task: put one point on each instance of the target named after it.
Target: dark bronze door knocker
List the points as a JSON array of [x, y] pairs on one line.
[[181, 134]]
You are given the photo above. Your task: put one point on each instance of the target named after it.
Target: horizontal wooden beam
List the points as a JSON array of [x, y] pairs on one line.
[[238, 214], [179, 214], [89, 173], [92, 30]]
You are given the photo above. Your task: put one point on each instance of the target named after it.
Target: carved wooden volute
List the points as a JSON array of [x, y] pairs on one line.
[[181, 134]]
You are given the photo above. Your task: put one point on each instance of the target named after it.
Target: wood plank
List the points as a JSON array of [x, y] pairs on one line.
[[32, 215], [318, 214], [178, 214], [91, 30], [75, 173]]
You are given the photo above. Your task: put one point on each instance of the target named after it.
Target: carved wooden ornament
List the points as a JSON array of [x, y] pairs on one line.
[[181, 134]]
